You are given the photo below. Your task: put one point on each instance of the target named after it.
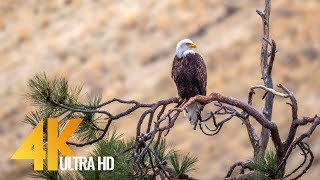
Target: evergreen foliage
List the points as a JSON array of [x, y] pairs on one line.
[[182, 164], [43, 89], [266, 167]]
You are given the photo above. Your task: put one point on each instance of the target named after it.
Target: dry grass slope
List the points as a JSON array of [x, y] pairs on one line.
[[125, 49]]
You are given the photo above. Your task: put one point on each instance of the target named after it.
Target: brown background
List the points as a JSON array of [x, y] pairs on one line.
[[125, 49]]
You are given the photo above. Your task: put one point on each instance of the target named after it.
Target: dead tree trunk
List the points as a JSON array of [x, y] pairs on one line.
[[266, 76]]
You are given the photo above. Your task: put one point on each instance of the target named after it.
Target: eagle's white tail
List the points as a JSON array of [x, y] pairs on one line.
[[194, 110]]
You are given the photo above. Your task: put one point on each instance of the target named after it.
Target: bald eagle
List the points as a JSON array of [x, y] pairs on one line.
[[189, 73]]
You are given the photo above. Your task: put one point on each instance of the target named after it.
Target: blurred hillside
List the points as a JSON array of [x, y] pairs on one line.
[[125, 49]]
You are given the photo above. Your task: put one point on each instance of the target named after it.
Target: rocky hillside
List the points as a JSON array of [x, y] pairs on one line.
[[125, 49]]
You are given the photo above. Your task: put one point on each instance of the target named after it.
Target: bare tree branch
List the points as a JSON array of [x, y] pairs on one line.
[[266, 75], [315, 121], [242, 164], [269, 90], [160, 122]]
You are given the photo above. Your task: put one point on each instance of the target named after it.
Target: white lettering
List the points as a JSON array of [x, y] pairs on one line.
[[85, 163], [90, 164], [110, 163], [61, 162], [101, 163]]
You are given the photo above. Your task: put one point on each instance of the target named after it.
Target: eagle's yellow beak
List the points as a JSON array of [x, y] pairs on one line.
[[192, 45]]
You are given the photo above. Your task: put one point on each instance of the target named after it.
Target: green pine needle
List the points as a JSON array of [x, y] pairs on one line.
[[34, 118], [182, 164], [163, 151], [41, 88], [94, 100], [266, 167], [45, 174], [113, 146], [87, 131]]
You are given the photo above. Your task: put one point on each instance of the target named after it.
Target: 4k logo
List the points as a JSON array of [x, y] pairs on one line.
[[32, 147]]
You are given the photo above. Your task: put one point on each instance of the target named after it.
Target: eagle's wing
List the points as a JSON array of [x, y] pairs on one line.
[[201, 74], [189, 75], [174, 66], [177, 68]]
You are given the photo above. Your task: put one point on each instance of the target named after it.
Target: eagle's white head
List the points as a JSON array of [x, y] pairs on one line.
[[185, 47]]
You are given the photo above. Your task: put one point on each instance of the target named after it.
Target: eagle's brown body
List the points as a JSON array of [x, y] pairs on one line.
[[190, 75]]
